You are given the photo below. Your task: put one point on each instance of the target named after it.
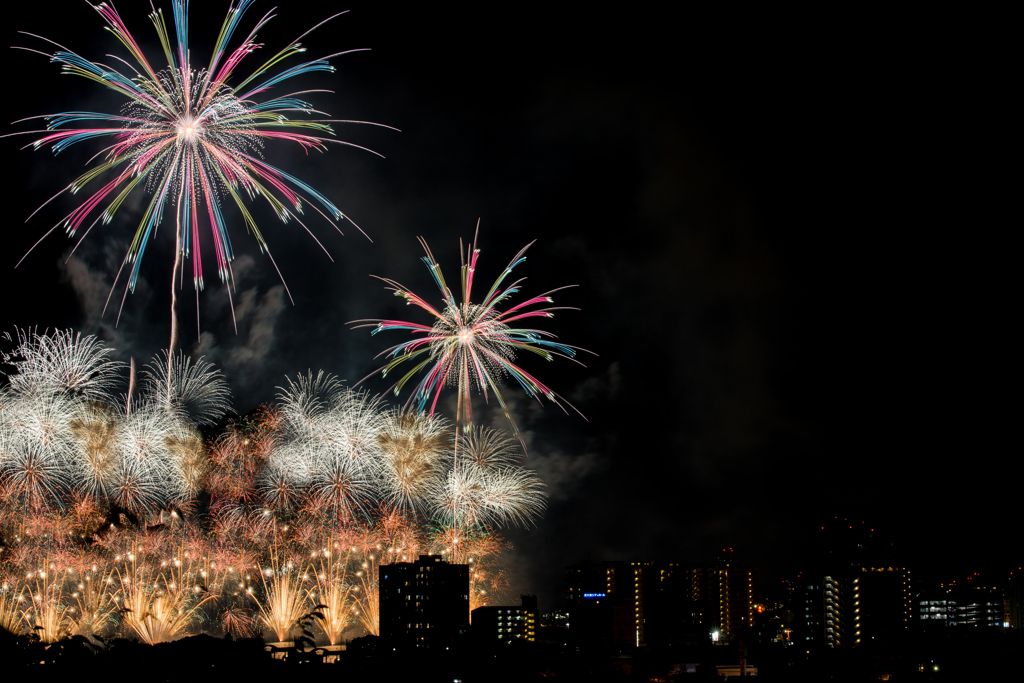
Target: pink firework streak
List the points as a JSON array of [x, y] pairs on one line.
[[472, 345]]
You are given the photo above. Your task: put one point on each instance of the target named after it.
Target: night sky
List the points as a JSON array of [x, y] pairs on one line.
[[787, 234]]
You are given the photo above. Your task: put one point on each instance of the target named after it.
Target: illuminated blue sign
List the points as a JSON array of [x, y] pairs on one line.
[[592, 596]]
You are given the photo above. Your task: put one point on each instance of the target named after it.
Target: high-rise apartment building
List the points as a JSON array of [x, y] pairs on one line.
[[424, 604], [735, 593], [852, 596], [882, 604], [808, 607], [602, 603], [507, 625], [836, 612], [624, 604], [1014, 600]]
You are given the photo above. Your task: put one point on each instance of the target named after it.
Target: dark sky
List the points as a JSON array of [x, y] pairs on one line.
[[787, 231]]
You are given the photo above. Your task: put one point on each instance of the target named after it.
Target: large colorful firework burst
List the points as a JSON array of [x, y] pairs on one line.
[[472, 345], [191, 137]]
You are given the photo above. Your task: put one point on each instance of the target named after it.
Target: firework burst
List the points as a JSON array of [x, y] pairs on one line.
[[195, 392], [191, 137], [95, 429], [471, 345], [414, 448], [47, 616], [61, 362], [330, 446]]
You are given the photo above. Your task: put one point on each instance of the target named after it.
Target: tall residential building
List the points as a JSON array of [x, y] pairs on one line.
[[808, 607], [676, 609], [735, 593], [882, 604], [856, 593], [601, 603], [821, 611], [621, 604], [836, 612], [424, 604], [1014, 600]]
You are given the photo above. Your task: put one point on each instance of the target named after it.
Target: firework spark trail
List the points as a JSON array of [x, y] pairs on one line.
[[368, 577], [47, 616], [369, 601], [191, 137], [95, 607], [334, 594], [160, 609], [238, 621], [11, 608], [470, 345], [285, 603]]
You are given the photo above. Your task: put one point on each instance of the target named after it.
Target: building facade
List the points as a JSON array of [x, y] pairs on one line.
[[424, 604], [882, 604], [507, 625], [967, 606], [620, 604]]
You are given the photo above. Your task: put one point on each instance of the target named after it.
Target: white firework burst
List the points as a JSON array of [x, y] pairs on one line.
[[357, 419], [95, 428], [287, 472], [134, 487], [38, 423], [513, 495], [415, 449], [330, 445], [343, 486], [474, 496], [306, 404], [487, 449], [195, 392], [32, 474], [62, 362], [189, 460], [145, 477]]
